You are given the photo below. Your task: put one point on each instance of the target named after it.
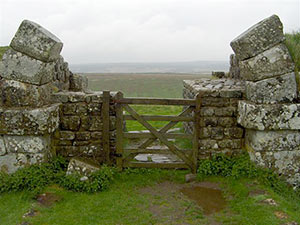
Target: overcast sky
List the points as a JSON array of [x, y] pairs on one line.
[[145, 30]]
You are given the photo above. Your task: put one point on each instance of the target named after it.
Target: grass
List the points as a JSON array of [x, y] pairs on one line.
[[142, 85], [124, 203], [3, 49], [293, 44]]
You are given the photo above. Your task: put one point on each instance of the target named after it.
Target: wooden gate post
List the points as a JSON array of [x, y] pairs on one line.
[[196, 132], [119, 131], [105, 128]]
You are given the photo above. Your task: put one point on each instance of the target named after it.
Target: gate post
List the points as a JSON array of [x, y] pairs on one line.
[[119, 131], [105, 128], [196, 132]]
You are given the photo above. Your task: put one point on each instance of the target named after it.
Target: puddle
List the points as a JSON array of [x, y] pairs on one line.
[[211, 200]]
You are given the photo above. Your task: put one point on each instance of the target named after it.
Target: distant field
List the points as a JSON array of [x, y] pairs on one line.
[[142, 85]]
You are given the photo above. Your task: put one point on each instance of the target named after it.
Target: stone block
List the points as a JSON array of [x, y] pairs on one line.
[[258, 38], [234, 132], [225, 111], [234, 69], [70, 123], [60, 97], [92, 123], [83, 136], [17, 66], [270, 63], [269, 116], [25, 121], [272, 90], [227, 121], [96, 135], [66, 135], [10, 163], [82, 166], [285, 163], [78, 82], [27, 144], [208, 121], [18, 94], [230, 143], [205, 144], [37, 42], [284, 140]]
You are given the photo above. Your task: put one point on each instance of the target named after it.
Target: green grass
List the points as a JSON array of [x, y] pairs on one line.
[[3, 49], [123, 203], [293, 44]]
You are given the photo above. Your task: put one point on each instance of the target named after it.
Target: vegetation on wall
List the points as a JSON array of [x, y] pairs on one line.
[[3, 49]]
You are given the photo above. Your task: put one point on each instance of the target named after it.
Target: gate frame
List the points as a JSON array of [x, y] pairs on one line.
[[157, 134]]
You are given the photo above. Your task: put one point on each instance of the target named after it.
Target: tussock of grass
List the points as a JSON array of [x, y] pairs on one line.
[[3, 49], [293, 44]]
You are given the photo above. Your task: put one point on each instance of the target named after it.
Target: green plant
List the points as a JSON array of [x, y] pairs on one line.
[[97, 181], [3, 49], [293, 44], [36, 177], [239, 167]]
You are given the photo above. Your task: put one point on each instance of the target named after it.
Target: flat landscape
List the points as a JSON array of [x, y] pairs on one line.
[[162, 85]]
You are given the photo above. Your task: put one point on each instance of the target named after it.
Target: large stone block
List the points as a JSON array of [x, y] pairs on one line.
[[278, 89], [258, 38], [26, 144], [18, 121], [10, 163], [37, 42], [285, 163], [17, 66], [18, 94], [272, 62], [82, 166], [269, 116], [284, 140]]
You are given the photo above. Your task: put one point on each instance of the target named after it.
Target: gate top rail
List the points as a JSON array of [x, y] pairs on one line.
[[156, 101]]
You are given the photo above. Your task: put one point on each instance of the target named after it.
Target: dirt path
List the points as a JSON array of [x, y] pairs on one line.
[[170, 203]]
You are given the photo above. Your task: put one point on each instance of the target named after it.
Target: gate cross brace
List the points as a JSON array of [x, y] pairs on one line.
[[165, 128], [160, 136]]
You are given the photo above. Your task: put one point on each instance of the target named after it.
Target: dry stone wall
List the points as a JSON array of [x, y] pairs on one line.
[[47, 110], [219, 131], [81, 125], [270, 112], [44, 108]]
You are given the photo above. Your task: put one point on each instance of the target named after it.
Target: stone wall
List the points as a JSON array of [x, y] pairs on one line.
[[81, 125], [219, 131], [44, 108], [269, 110], [30, 71], [269, 113], [47, 110]]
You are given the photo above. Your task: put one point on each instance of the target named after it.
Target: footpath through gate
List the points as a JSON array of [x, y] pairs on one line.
[[187, 157]]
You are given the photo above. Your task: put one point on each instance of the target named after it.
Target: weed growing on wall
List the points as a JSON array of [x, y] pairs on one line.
[[36, 177]]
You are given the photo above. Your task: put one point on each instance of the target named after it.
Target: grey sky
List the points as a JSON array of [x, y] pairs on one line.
[[145, 30]]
